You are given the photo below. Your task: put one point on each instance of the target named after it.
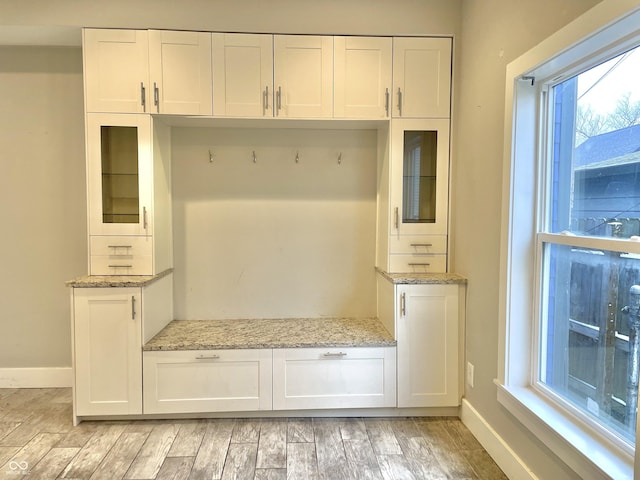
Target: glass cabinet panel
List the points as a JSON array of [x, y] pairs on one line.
[[120, 192], [419, 176]]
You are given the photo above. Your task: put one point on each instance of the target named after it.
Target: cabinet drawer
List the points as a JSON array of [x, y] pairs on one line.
[[418, 244], [120, 246], [121, 265], [191, 381], [425, 263], [317, 378]]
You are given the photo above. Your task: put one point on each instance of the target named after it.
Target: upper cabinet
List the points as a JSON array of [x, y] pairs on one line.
[[180, 72], [303, 76], [362, 77], [116, 70], [135, 71], [242, 75], [421, 77]]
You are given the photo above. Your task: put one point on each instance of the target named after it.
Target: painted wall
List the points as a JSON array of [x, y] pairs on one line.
[[42, 202], [494, 32]]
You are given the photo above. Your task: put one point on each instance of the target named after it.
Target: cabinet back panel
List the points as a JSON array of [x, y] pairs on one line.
[[274, 238]]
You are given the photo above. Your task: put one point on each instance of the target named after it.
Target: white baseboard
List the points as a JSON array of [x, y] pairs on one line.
[[502, 454], [36, 377]]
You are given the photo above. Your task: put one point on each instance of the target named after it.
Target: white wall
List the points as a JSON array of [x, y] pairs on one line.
[[42, 202], [494, 32], [274, 238]]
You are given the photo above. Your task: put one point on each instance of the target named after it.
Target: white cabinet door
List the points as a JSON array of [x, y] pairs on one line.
[[421, 77], [119, 172], [427, 335], [207, 381], [303, 76], [242, 75], [116, 70], [108, 351], [180, 72], [362, 77], [309, 378]]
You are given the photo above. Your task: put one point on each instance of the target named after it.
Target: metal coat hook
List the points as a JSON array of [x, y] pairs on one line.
[[255, 159], [297, 157], [340, 158], [210, 156]]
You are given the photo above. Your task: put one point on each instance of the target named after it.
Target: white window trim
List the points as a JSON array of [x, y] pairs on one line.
[[610, 26]]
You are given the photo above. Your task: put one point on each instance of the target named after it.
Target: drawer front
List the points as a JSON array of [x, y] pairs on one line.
[[119, 255], [318, 378], [198, 381], [418, 244], [425, 263]]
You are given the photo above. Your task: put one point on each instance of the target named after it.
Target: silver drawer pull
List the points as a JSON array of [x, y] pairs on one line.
[[120, 266], [334, 355], [421, 245], [208, 357], [419, 264], [120, 246]]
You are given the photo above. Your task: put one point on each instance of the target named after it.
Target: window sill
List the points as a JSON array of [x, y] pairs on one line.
[[581, 449]]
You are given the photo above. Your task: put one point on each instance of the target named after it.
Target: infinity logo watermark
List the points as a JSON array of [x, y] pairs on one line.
[[18, 468]]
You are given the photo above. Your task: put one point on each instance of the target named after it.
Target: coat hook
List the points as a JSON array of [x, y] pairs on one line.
[[297, 157], [255, 160], [210, 156], [340, 158]]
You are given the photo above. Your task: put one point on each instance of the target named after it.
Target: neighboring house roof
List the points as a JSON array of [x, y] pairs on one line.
[[621, 161], [607, 146]]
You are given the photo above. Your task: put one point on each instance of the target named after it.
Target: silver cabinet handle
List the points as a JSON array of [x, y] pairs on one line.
[[421, 245], [399, 102], [334, 355], [120, 266], [133, 307], [419, 264], [144, 218], [207, 357], [120, 246], [278, 100], [403, 304], [265, 103], [156, 96], [143, 97], [386, 101], [395, 218]]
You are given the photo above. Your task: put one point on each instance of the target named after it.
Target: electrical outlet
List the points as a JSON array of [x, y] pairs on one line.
[[470, 369]]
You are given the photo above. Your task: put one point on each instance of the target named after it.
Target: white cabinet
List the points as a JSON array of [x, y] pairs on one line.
[[311, 378], [303, 76], [107, 349], [139, 71], [427, 325], [192, 381], [362, 77], [180, 72], [242, 75], [116, 70], [421, 77], [129, 185]]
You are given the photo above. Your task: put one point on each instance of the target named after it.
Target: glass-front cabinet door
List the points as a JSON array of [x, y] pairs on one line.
[[119, 173], [420, 173]]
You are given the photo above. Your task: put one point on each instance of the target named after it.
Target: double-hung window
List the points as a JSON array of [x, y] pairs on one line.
[[571, 317]]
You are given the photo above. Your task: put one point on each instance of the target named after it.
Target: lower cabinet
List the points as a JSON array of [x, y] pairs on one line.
[[310, 378], [192, 381], [107, 355]]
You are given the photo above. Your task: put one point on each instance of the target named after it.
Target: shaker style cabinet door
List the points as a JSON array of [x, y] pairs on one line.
[[116, 70], [242, 75], [180, 72], [119, 171], [427, 334], [303, 76], [421, 77], [362, 77], [108, 351]]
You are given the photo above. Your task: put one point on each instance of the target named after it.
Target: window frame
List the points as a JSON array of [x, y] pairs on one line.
[[607, 29]]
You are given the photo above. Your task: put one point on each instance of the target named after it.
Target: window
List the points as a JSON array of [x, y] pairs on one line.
[[571, 242]]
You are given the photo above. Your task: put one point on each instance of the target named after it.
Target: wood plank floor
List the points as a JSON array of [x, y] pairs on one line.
[[38, 441]]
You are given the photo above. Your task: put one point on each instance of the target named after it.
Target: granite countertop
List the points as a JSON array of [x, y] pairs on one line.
[[423, 278], [102, 281], [271, 333]]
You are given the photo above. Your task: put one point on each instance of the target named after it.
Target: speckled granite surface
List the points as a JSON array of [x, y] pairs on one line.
[[423, 278], [271, 333], [102, 281]]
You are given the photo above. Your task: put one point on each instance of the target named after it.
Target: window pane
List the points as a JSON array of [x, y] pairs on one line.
[[589, 333], [419, 177], [596, 150]]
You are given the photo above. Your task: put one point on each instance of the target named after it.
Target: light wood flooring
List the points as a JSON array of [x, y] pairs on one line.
[[38, 441]]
